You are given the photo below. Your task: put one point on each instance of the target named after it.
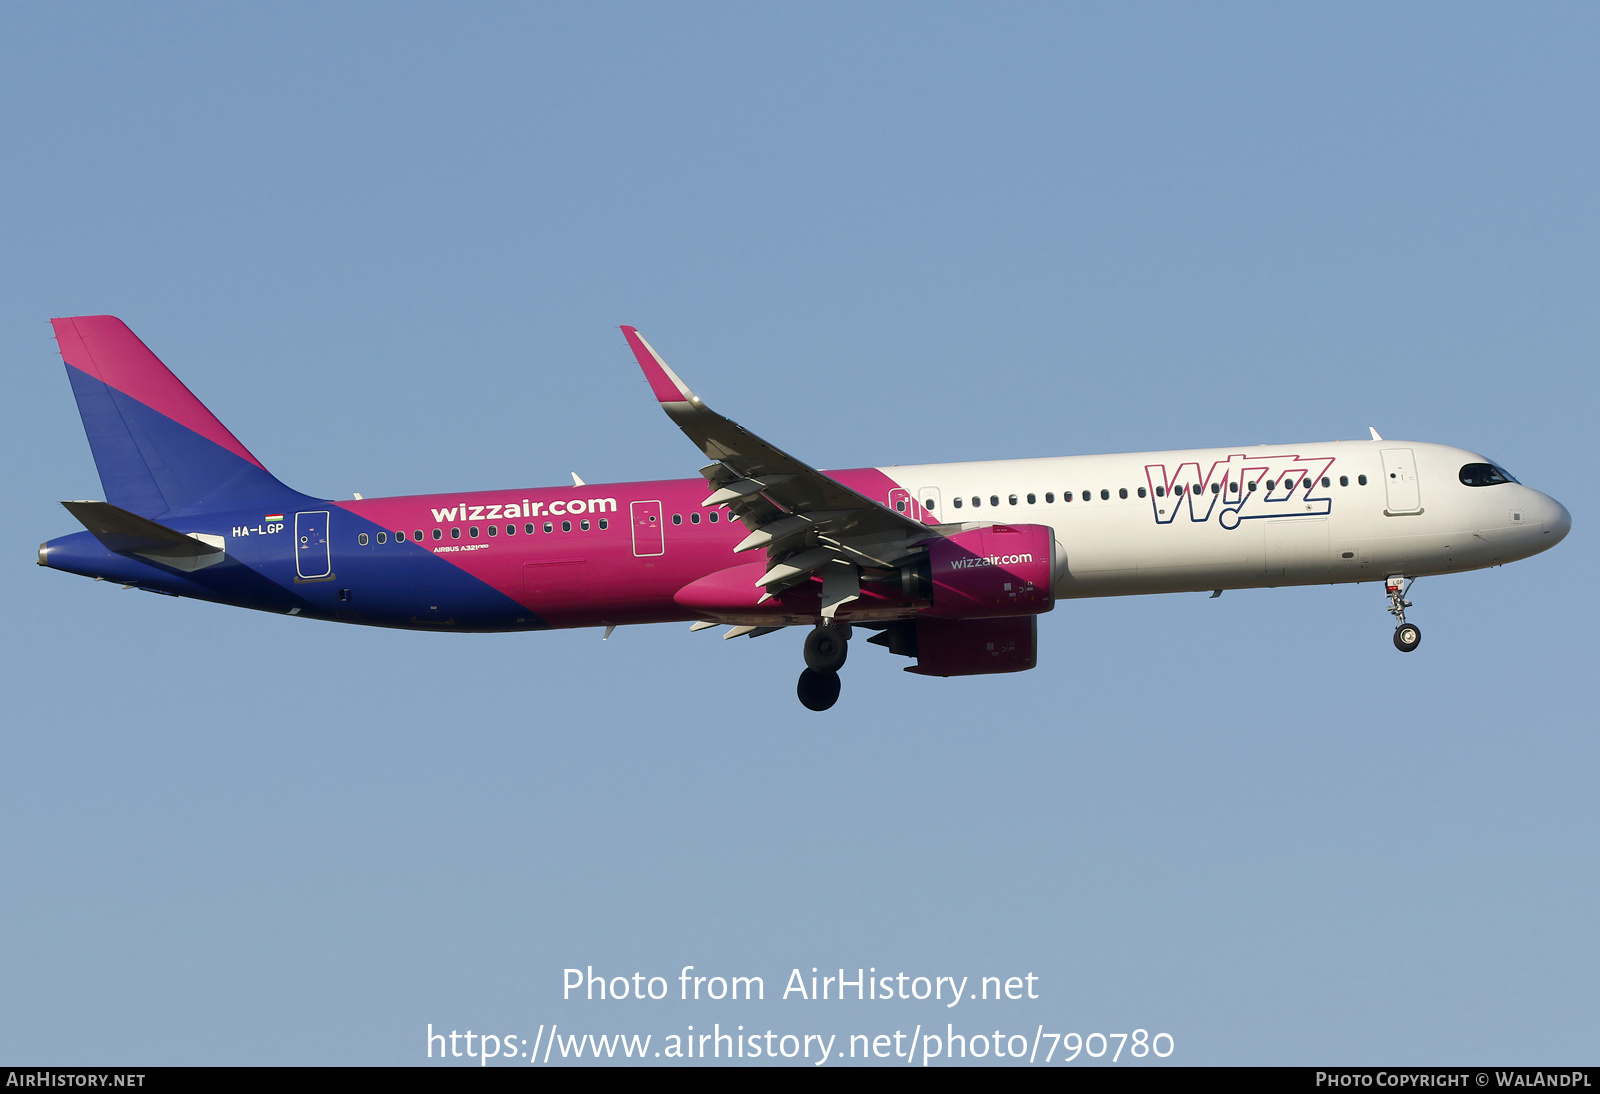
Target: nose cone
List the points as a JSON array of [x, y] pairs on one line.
[[1557, 521]]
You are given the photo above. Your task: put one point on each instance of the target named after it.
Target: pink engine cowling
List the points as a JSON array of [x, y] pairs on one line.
[[1004, 570]]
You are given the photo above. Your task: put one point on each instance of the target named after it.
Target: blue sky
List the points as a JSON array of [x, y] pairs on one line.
[[389, 245]]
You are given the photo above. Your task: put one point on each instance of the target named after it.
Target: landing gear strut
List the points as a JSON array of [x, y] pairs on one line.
[[826, 648], [1407, 636]]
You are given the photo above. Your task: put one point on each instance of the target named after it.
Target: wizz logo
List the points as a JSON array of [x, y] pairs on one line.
[[1241, 488]]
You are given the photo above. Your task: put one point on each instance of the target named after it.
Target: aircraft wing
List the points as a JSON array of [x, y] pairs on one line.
[[806, 521]]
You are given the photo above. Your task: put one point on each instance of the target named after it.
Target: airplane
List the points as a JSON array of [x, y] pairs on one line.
[[950, 564]]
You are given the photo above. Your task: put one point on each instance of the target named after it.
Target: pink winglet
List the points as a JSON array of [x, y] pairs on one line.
[[104, 347], [664, 383]]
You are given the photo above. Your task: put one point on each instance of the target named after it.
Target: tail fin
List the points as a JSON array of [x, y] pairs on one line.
[[157, 447]]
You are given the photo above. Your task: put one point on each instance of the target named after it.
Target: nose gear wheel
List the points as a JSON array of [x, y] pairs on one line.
[[1407, 635]]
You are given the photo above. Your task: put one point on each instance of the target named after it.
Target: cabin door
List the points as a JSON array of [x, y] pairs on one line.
[[1400, 481], [311, 558]]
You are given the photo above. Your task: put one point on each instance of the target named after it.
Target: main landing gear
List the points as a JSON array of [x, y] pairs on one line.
[[1407, 636], [826, 648]]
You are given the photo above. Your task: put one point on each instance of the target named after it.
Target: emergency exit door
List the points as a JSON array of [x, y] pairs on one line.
[[649, 538]]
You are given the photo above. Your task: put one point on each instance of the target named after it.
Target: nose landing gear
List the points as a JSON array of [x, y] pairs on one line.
[[1407, 636], [826, 648]]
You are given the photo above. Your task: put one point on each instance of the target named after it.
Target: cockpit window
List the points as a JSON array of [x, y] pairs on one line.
[[1484, 474]]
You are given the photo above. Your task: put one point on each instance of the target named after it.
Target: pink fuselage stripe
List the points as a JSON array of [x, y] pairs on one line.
[[103, 347], [581, 577]]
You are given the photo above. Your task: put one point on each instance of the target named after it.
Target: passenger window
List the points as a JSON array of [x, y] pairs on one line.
[[548, 527], [928, 505], [511, 529], [994, 499], [1344, 480], [1105, 495], [1361, 480], [713, 516], [566, 526], [362, 539], [1032, 500], [1271, 485], [694, 518], [1252, 488], [437, 534], [455, 533], [1326, 482], [1066, 495], [677, 518], [604, 524], [977, 502], [494, 529], [1161, 491], [1049, 497], [900, 505], [1123, 492], [1012, 499], [473, 531], [528, 528], [956, 502], [383, 537], [1233, 488], [1141, 491], [584, 525], [1216, 488], [399, 537]]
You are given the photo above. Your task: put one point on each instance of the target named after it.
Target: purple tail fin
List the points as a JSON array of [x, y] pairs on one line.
[[157, 447]]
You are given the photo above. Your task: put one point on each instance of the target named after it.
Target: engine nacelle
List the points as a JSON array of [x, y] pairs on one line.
[[1004, 570], [966, 647]]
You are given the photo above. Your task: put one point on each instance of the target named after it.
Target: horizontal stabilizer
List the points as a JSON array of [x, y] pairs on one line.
[[128, 533]]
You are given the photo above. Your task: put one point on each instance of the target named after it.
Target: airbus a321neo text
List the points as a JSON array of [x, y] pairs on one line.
[[950, 564]]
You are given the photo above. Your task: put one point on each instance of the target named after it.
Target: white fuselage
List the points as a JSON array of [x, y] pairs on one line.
[[1230, 518]]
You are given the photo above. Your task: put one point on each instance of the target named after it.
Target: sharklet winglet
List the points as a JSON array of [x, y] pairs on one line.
[[664, 383]]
